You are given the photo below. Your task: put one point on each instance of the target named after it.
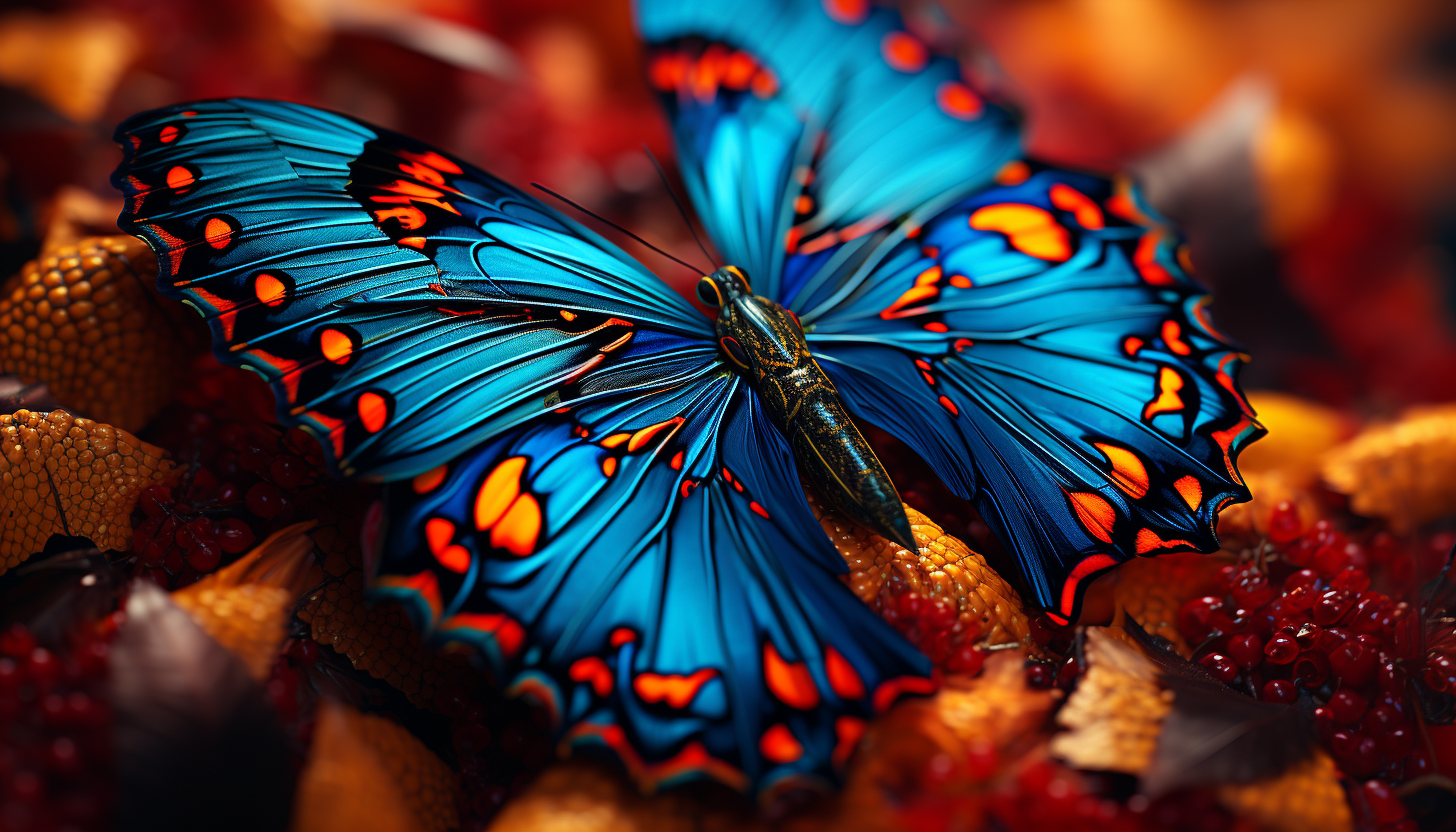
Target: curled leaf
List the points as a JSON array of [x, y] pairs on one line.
[[944, 567], [1306, 798], [246, 606], [93, 473], [1400, 471], [1116, 712], [368, 773]]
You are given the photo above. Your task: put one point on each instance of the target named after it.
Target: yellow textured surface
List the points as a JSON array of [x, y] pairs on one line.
[[346, 785], [583, 796], [82, 319], [995, 706], [1116, 713], [943, 568], [1307, 798], [1400, 471], [1152, 589], [245, 607], [380, 640], [97, 472]]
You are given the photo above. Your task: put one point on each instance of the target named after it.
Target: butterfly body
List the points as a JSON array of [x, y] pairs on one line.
[[765, 343]]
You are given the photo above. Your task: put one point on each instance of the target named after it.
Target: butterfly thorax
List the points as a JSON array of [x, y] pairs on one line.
[[764, 342]]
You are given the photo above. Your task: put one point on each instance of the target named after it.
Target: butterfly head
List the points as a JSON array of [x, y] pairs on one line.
[[755, 335]]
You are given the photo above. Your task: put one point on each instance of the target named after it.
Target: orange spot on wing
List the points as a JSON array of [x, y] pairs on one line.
[[288, 371], [412, 242], [518, 530], [1173, 337], [1167, 400], [430, 158], [1029, 229], [848, 12], [1013, 173], [1096, 514], [1069, 199], [609, 466], [168, 134], [373, 411], [1191, 490], [429, 480], [779, 746], [847, 732], [791, 682], [738, 74], [643, 436], [1226, 381], [961, 344], [957, 100], [498, 492], [1131, 345], [438, 533], [892, 689], [621, 636], [336, 346], [1148, 541], [615, 439], [508, 633], [227, 313], [424, 584], [218, 232], [903, 51], [1090, 564], [592, 669], [269, 289], [180, 177], [936, 326], [960, 281], [914, 294], [677, 461], [1226, 440], [335, 427], [1146, 260], [1128, 471], [677, 691], [843, 679]]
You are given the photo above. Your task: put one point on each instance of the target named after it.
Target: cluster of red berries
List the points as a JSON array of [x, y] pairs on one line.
[[55, 732], [1044, 796], [935, 627], [499, 746], [1305, 618]]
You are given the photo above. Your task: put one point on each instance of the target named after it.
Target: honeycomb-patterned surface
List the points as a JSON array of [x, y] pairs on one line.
[[97, 473], [1401, 471], [1306, 798], [83, 319], [1152, 589]]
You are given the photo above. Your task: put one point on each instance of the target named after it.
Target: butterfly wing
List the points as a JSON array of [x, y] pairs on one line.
[[802, 124], [648, 571], [579, 488], [384, 289], [1041, 345]]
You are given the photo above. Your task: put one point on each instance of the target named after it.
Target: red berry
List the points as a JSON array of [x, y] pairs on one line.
[[1285, 524], [1252, 590], [1281, 649], [1391, 678], [205, 557], [1199, 618], [1351, 580], [1039, 675], [288, 472], [265, 500], [981, 759], [233, 535], [1246, 649], [1346, 707], [1309, 636], [144, 533], [1220, 666], [1385, 805], [1381, 719], [17, 642], [1353, 664], [1396, 743], [451, 700], [1281, 691], [1304, 577], [1328, 610], [1311, 669], [228, 493], [155, 500], [967, 659]]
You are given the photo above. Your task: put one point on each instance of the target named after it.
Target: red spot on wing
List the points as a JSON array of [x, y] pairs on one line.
[[791, 682], [1173, 337], [168, 134], [892, 689], [218, 232], [429, 480], [288, 371], [1090, 564], [1191, 490], [843, 679], [1149, 542], [621, 636], [424, 584], [1226, 381], [1167, 399], [778, 745], [957, 100], [1131, 345], [592, 669], [180, 178], [1069, 199], [227, 311], [847, 732], [692, 759], [1096, 514], [508, 633], [904, 52], [1146, 260], [758, 509], [950, 406], [373, 411], [848, 12], [677, 691], [335, 427], [1227, 440]]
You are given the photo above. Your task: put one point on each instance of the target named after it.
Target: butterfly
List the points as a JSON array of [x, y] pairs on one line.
[[598, 488]]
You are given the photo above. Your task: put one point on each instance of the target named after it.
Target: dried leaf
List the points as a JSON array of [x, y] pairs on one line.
[[196, 743], [584, 796], [1400, 471], [96, 471], [1214, 734], [345, 786], [247, 605], [1117, 711], [1300, 431], [1305, 798], [84, 319], [1151, 590], [943, 568], [72, 62]]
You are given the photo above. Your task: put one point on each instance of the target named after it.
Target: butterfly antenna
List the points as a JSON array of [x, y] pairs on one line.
[[680, 209], [603, 219]]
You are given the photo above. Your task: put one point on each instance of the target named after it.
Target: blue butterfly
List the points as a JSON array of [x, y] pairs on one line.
[[596, 486]]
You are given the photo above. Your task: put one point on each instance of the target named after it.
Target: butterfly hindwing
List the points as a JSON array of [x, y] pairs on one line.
[[648, 572], [1042, 347], [382, 287]]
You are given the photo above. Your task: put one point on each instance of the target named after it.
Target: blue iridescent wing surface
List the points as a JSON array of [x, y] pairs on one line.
[[579, 488], [384, 289], [806, 123], [1041, 345]]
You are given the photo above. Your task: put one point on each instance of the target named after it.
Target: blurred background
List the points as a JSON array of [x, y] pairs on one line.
[[1307, 147]]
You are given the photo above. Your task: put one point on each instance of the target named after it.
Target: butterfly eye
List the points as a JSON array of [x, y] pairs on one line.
[[708, 292], [734, 350]]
